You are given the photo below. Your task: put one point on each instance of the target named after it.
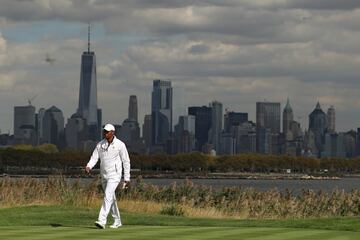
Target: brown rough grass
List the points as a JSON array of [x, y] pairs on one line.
[[193, 201]]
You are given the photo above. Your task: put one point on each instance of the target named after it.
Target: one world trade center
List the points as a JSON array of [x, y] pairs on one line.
[[88, 108]]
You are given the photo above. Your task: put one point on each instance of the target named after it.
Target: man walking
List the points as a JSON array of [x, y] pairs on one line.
[[113, 156]]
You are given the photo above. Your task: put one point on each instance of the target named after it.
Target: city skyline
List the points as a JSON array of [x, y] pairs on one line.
[[236, 52]]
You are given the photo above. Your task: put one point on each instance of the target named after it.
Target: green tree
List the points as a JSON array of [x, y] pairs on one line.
[[47, 148], [24, 147]]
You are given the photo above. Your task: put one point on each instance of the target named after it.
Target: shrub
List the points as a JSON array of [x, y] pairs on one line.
[[173, 210]]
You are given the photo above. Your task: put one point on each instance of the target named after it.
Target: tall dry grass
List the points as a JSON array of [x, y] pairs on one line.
[[184, 199], [53, 190]]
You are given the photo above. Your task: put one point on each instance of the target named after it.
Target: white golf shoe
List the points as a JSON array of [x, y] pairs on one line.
[[116, 225], [100, 225]]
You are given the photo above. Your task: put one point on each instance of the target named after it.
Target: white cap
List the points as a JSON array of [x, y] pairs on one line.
[[109, 127]]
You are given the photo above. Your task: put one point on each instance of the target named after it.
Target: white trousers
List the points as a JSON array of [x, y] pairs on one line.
[[109, 203]]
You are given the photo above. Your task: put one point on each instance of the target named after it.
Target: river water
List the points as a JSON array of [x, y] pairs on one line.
[[296, 185]]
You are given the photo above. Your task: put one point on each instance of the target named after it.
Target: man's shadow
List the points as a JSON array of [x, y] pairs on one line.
[[60, 225]]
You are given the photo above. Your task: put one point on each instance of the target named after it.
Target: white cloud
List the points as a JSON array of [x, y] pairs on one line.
[[238, 52], [3, 50], [6, 82]]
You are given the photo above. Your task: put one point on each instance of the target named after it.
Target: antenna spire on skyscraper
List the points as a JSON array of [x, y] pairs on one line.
[[89, 37]]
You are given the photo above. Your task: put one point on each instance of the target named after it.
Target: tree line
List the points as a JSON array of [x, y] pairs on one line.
[[50, 158]]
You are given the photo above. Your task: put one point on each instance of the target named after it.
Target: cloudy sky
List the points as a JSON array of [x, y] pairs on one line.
[[234, 51]]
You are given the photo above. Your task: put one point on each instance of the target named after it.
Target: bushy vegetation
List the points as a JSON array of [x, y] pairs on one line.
[[251, 203], [45, 148], [173, 210], [53, 190], [185, 198], [42, 158]]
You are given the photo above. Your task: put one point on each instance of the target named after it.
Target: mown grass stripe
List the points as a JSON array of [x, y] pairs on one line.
[[38, 231], [285, 233], [78, 223], [202, 232], [182, 233], [245, 233], [197, 232], [137, 232], [71, 216], [175, 232]]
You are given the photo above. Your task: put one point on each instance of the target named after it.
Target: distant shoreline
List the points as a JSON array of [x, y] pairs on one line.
[[245, 176], [232, 175]]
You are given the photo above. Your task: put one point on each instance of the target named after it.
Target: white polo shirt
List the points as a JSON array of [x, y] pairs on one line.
[[113, 157]]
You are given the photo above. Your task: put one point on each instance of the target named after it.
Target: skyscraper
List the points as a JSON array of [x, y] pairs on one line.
[[146, 130], [267, 127], [318, 125], [331, 119], [161, 111], [186, 123], [288, 118], [232, 119], [24, 124], [39, 124], [202, 124], [75, 132], [263, 140], [245, 135], [216, 125], [88, 108], [185, 133], [350, 143], [268, 116], [334, 145], [133, 108], [228, 143], [130, 131], [357, 143], [53, 126]]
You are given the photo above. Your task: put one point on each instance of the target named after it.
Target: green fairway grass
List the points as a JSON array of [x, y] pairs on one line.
[[171, 232], [57, 222]]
